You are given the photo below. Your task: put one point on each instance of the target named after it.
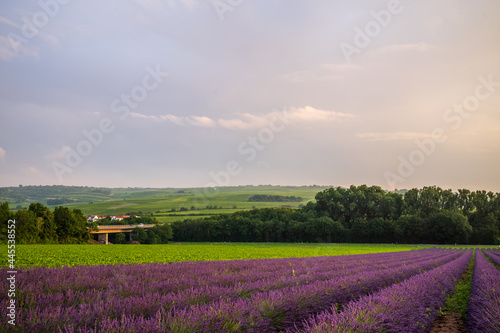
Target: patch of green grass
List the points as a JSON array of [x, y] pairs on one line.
[[71, 255], [458, 301]]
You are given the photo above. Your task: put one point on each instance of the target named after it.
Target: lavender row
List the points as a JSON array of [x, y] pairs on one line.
[[483, 313], [263, 312], [184, 275], [78, 285], [494, 256], [52, 307], [410, 306], [138, 291]]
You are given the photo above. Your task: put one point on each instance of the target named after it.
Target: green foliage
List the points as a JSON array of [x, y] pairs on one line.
[[360, 214], [5, 216], [162, 234], [140, 235], [27, 230], [38, 224], [47, 228], [354, 214], [261, 225], [71, 224], [159, 234], [105, 201], [138, 220], [447, 227], [121, 238], [132, 220]]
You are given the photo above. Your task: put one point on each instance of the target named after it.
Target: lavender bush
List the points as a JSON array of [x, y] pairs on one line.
[[410, 306], [226, 296], [483, 314], [494, 256]]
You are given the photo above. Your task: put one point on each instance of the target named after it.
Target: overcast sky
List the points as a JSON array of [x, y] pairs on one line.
[[184, 93]]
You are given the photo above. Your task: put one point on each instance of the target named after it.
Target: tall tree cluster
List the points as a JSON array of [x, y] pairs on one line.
[[38, 224], [358, 214], [159, 234], [362, 214]]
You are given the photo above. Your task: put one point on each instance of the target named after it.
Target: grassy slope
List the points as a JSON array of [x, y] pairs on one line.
[[160, 202]]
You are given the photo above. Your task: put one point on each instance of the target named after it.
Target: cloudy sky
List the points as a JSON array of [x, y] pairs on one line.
[[183, 93]]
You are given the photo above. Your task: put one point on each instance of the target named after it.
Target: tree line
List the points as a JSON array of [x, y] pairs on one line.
[[133, 219], [38, 224], [361, 214], [159, 234], [273, 198], [358, 214]]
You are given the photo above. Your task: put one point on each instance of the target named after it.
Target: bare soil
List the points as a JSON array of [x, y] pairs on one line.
[[449, 323]]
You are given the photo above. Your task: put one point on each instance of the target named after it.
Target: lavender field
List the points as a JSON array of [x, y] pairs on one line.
[[384, 292]]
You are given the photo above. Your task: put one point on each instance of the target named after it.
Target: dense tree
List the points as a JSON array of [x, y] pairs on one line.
[[120, 238], [447, 227], [27, 230], [354, 214], [71, 225], [361, 214], [46, 226], [140, 235], [160, 234], [485, 229], [5, 216], [390, 206], [410, 229]]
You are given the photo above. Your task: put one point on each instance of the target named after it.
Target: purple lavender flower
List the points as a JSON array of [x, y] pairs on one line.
[[410, 306], [222, 296], [483, 313]]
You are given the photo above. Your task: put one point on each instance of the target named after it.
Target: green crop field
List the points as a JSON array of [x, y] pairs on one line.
[[71, 255], [167, 205]]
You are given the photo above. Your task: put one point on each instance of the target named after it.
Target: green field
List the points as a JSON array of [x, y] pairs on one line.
[[164, 204], [70, 255]]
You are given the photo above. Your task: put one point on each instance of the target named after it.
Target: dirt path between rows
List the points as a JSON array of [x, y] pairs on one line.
[[449, 323]]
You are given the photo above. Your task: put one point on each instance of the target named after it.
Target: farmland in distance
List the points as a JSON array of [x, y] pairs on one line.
[[166, 205]]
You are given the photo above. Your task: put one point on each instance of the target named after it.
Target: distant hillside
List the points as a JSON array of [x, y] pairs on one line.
[[55, 194], [168, 204]]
